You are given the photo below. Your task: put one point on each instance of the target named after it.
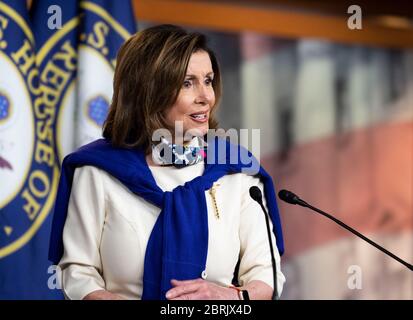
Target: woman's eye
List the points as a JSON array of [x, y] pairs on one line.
[[187, 83], [208, 81]]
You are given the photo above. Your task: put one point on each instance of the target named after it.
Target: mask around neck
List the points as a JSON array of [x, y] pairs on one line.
[[167, 153]]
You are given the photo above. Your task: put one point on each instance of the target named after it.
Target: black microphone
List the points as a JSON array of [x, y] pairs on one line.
[[256, 195], [292, 198]]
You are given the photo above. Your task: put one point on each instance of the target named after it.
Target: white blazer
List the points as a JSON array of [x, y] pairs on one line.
[[108, 227]]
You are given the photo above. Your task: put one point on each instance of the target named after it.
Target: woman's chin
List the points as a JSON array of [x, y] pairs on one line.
[[198, 131]]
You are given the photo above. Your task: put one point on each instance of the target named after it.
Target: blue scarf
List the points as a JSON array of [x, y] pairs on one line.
[[178, 244]]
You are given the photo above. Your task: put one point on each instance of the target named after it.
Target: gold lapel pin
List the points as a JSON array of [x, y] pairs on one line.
[[212, 192]]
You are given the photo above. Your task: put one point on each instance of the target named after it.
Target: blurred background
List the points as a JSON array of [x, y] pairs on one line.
[[328, 83]]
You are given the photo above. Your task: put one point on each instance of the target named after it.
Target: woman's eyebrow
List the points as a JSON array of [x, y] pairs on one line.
[[192, 76]]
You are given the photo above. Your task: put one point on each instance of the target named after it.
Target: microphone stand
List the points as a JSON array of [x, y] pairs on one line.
[[291, 198], [274, 269], [256, 195]]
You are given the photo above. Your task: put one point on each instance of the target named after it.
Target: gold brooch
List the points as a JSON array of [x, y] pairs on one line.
[[212, 192]]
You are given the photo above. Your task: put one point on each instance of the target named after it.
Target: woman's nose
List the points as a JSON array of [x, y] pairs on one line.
[[204, 94]]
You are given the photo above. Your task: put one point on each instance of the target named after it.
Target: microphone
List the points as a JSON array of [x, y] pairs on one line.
[[292, 198], [256, 195]]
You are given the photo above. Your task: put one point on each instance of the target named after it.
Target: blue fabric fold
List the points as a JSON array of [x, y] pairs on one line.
[[178, 244]]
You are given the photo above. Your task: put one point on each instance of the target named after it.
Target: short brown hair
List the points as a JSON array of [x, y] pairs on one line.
[[151, 68]]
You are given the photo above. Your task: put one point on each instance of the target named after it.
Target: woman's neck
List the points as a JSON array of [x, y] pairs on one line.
[[150, 161]]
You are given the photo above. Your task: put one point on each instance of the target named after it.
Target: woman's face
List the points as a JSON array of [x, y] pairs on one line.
[[196, 97]]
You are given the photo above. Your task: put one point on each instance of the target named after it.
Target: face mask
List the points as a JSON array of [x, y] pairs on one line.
[[166, 153]]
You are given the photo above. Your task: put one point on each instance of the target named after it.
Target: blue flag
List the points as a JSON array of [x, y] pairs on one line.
[[56, 73], [28, 171], [77, 44]]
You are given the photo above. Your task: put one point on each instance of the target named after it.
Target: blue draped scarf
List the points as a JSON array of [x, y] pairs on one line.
[[178, 244]]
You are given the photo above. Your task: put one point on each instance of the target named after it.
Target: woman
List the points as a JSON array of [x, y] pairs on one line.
[[143, 215]]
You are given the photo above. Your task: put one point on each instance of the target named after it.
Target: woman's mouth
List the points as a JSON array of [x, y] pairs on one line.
[[199, 117]]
